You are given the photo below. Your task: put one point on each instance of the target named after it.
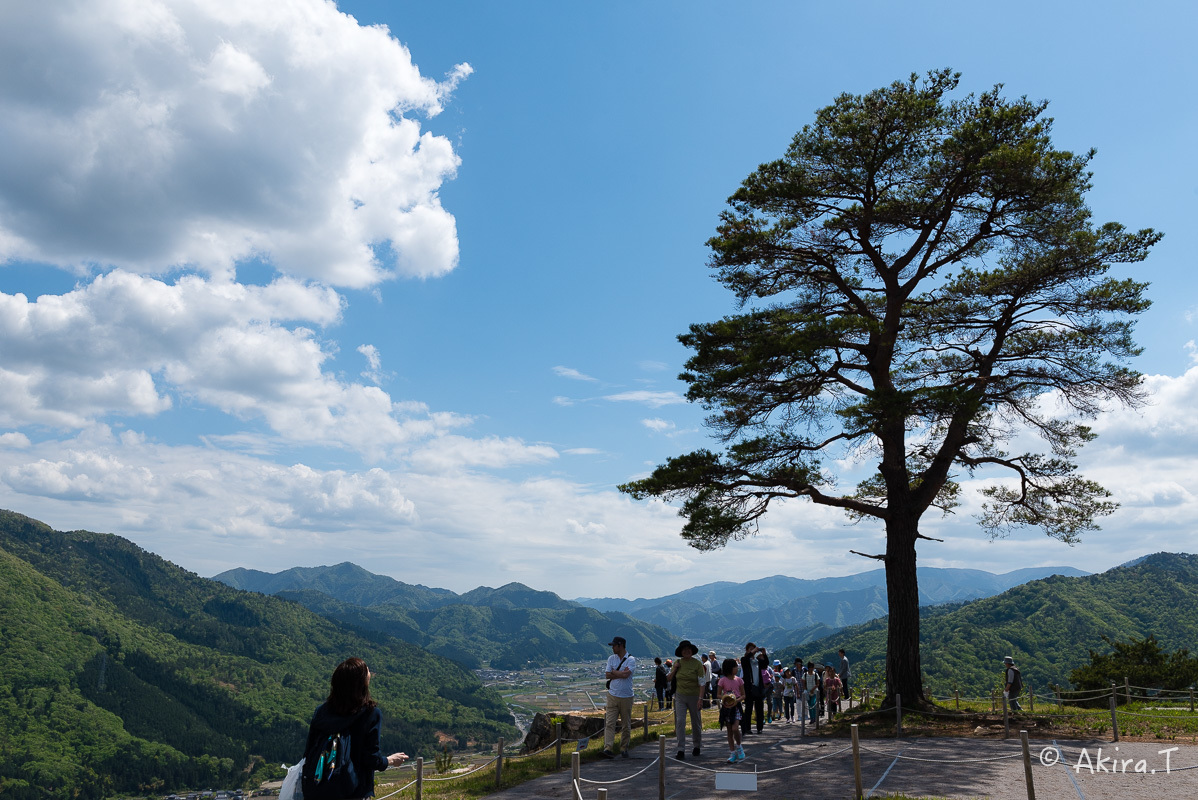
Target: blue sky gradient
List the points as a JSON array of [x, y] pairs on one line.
[[459, 410]]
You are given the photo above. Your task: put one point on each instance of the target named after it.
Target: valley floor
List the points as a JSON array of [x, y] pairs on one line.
[[789, 766]]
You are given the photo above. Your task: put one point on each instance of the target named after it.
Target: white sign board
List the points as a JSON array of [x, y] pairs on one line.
[[737, 781]]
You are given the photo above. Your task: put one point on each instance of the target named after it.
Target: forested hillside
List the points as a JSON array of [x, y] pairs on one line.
[[121, 672], [506, 628], [1048, 626]]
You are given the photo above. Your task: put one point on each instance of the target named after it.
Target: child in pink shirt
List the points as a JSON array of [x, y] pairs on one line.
[[731, 691]]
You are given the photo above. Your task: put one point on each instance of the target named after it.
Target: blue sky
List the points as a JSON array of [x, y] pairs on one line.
[[279, 287]]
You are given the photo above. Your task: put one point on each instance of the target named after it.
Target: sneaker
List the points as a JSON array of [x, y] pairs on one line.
[[732, 759], [681, 756], [623, 754], [740, 754], [608, 754], [695, 752]]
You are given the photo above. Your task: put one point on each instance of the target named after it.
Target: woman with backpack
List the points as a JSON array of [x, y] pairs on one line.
[[344, 747]]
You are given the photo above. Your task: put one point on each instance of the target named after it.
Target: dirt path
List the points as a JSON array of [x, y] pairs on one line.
[[923, 767]]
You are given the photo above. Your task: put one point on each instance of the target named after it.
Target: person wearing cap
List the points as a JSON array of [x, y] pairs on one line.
[[620, 667], [1012, 683], [716, 673], [689, 673]]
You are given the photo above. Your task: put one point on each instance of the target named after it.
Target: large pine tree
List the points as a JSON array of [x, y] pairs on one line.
[[919, 281]]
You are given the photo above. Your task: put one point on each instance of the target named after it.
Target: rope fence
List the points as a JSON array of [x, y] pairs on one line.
[[1060, 699], [902, 753], [1023, 753]]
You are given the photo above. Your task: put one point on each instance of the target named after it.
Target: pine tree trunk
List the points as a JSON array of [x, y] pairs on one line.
[[904, 675]]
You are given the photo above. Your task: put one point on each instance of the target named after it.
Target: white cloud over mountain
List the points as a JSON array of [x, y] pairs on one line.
[[147, 134]]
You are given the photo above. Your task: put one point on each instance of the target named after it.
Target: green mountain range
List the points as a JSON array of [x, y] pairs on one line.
[[121, 672], [511, 627], [1048, 626]]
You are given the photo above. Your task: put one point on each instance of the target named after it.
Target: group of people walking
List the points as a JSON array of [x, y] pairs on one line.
[[745, 688]]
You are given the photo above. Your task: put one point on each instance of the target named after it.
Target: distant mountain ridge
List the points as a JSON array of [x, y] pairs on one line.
[[936, 585], [345, 581], [508, 627], [781, 610]]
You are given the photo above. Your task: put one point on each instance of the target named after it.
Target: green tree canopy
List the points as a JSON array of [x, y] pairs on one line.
[[1142, 662], [916, 276]]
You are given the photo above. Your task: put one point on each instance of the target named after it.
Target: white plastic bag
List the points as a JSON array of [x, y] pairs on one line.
[[292, 788]]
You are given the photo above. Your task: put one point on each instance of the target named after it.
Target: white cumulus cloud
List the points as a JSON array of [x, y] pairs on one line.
[[202, 132]]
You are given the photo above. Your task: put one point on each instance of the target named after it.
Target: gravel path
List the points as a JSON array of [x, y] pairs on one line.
[[920, 767]]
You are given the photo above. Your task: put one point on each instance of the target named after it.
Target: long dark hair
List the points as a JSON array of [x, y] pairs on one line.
[[349, 691]]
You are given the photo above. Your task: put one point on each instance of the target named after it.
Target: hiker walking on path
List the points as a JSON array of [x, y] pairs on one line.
[[789, 693], [688, 673], [620, 667], [1012, 683]]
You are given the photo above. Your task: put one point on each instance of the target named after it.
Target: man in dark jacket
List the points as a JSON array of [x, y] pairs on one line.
[[754, 689]]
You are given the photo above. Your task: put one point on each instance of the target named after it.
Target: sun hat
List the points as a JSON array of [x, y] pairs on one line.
[[685, 643], [729, 700]]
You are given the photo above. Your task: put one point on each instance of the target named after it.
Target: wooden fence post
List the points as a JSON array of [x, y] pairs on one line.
[[1114, 719], [419, 777], [1027, 767], [1006, 720], [1191, 699], [1031, 698], [661, 768], [957, 693], [856, 762], [557, 732], [575, 773], [499, 766], [602, 795], [1127, 688], [1060, 702], [646, 722]]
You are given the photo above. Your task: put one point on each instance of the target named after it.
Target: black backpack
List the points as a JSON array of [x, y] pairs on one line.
[[328, 773]]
